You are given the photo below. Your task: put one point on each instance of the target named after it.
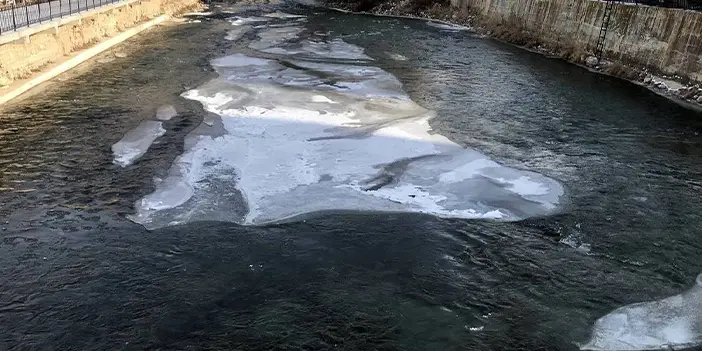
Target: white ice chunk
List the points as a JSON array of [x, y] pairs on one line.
[[322, 98], [274, 36], [283, 15], [236, 33], [671, 323], [396, 57], [525, 186], [335, 49], [198, 14], [239, 60], [240, 21], [166, 112], [135, 143], [446, 26]]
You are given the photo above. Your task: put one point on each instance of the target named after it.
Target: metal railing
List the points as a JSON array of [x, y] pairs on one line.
[[681, 4], [17, 16]]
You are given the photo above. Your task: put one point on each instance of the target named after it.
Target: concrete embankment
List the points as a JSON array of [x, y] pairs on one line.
[[659, 40], [36, 54], [642, 44]]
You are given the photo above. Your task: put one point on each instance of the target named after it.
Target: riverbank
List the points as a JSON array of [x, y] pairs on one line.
[[36, 56], [628, 52]]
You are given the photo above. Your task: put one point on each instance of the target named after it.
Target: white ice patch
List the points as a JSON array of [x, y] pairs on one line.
[[447, 27], [671, 323], [135, 143], [335, 49], [282, 15], [273, 36], [396, 57], [198, 14], [277, 40], [166, 112], [236, 33], [303, 136], [240, 21]]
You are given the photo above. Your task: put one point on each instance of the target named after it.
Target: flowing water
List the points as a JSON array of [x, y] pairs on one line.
[[331, 181]]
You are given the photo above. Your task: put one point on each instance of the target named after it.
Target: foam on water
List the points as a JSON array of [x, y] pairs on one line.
[[671, 323], [135, 143], [297, 136]]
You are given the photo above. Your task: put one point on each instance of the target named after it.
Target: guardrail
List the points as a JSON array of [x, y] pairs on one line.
[[681, 4], [14, 17]]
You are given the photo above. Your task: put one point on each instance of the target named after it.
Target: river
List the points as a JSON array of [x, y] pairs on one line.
[[336, 181]]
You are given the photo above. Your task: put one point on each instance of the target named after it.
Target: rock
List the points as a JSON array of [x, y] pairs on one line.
[[648, 80], [591, 61], [699, 99], [105, 59], [4, 81], [688, 94], [120, 55], [661, 86]]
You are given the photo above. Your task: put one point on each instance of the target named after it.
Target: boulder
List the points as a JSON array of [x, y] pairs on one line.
[[591, 61]]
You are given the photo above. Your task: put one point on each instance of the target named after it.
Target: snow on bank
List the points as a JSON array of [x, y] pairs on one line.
[[135, 143], [672, 323], [298, 135]]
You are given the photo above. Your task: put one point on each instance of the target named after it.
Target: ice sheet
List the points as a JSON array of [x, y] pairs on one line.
[[302, 135], [669, 324], [135, 143]]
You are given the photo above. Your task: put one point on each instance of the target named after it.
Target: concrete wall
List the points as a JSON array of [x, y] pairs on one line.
[[662, 40], [36, 47]]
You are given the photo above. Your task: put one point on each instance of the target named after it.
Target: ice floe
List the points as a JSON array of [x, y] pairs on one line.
[[135, 143], [313, 131], [446, 26], [672, 323]]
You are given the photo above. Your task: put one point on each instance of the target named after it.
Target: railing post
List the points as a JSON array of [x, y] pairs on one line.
[[14, 13], [51, 16], [39, 11], [26, 12]]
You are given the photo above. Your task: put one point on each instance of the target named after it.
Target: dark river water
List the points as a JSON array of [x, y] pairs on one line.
[[76, 274]]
